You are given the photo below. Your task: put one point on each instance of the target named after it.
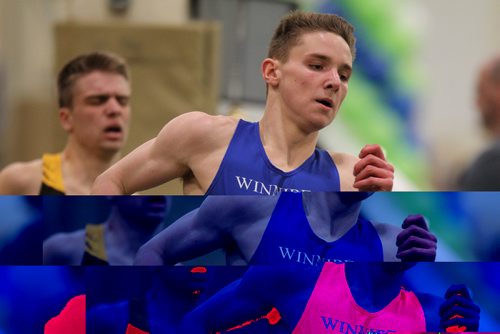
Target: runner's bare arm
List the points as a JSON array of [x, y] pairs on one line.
[[217, 223], [161, 159]]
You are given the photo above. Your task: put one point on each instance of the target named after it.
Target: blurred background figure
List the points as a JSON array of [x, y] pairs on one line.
[[484, 172], [133, 220]]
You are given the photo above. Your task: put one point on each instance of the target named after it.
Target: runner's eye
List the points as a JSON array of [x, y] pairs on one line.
[[123, 100], [97, 100], [316, 67]]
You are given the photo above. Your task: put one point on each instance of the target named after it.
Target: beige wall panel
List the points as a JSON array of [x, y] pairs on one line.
[[25, 63], [34, 129]]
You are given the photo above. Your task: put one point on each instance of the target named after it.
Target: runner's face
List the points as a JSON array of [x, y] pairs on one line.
[[313, 82], [488, 99], [146, 211], [100, 111]]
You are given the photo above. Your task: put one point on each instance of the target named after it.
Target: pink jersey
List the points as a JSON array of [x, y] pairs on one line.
[[331, 308], [70, 320]]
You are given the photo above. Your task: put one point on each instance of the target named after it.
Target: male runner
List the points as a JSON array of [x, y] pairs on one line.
[[307, 228], [306, 73], [335, 298], [94, 92], [483, 174], [133, 221]]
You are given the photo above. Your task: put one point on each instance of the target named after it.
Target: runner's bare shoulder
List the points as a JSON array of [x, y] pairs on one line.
[[21, 178]]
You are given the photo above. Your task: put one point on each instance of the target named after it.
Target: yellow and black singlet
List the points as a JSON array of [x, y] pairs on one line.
[[52, 181], [95, 249]]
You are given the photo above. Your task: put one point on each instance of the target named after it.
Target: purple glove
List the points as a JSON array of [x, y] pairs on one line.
[[458, 312], [416, 243]]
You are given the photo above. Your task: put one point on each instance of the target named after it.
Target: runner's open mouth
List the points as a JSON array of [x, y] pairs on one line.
[[325, 102], [113, 129]]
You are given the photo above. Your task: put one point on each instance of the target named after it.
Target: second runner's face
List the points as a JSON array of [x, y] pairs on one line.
[[314, 80], [100, 112], [488, 98], [144, 211]]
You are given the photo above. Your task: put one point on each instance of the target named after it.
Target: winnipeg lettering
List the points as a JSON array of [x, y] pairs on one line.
[[304, 258], [338, 326], [264, 189]]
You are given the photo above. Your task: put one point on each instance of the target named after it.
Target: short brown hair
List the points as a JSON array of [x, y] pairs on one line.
[[85, 64], [297, 23]]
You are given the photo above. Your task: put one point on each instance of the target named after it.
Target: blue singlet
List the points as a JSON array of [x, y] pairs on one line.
[[289, 239], [246, 169]]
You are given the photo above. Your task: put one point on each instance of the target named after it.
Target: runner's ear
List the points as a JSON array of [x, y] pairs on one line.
[[270, 71]]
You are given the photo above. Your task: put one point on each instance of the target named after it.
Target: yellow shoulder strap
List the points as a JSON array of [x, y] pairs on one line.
[[94, 241], [52, 171]]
